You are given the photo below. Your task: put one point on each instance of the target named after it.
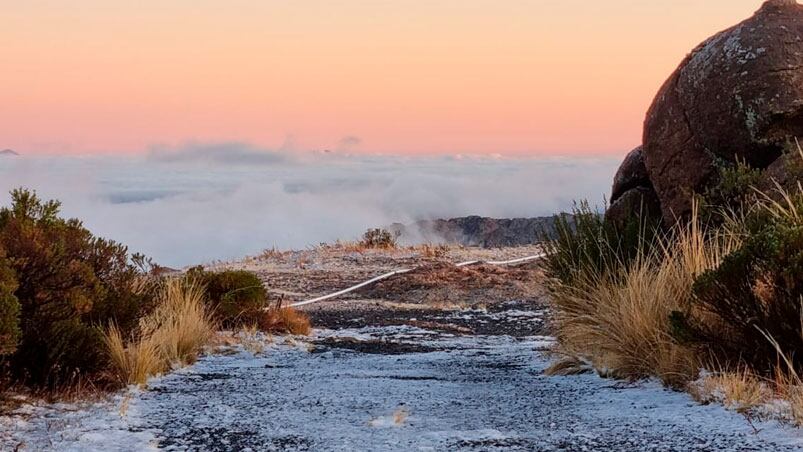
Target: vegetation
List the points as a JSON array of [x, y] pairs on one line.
[[723, 291], [236, 297], [284, 320], [66, 282], [170, 336], [616, 311], [75, 308], [732, 191], [9, 309], [379, 238]]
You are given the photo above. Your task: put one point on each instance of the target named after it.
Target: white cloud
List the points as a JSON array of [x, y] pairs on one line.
[[204, 202]]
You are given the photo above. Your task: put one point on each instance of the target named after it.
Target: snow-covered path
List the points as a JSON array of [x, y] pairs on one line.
[[413, 390]]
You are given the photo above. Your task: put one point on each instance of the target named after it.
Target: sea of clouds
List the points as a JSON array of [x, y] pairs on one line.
[[200, 203]]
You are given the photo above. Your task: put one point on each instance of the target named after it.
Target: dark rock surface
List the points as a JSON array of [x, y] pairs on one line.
[[739, 95], [639, 202], [478, 231], [632, 174]]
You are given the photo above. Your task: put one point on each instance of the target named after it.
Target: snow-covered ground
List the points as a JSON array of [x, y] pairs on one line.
[[442, 392]]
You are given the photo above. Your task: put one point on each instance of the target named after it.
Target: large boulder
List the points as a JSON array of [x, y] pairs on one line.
[[631, 174], [637, 204], [737, 96]]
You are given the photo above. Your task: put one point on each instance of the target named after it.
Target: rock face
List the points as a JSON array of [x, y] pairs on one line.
[[639, 202], [478, 231], [739, 95], [632, 191]]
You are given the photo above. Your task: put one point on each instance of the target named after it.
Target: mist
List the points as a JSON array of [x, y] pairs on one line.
[[202, 202]]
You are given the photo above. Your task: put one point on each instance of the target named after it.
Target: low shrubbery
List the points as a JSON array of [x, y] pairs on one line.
[[279, 319], [236, 297], [75, 308], [379, 238], [170, 336], [722, 292], [9, 308], [616, 311], [66, 282]]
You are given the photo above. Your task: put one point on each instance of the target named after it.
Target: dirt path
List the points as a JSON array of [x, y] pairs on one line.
[[396, 369], [394, 388]]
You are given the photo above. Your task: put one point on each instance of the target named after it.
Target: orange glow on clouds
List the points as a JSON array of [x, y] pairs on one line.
[[405, 76]]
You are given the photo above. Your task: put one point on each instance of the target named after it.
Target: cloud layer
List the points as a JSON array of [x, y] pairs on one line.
[[206, 202]]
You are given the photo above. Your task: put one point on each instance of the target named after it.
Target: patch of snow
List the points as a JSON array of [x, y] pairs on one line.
[[471, 393]]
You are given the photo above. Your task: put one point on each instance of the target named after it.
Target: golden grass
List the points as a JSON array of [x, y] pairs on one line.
[[619, 320], [250, 339], [285, 320], [181, 324], [170, 336], [132, 361], [739, 390]]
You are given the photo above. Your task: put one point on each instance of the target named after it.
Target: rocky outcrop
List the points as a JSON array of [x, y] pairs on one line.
[[739, 95], [478, 231], [632, 174], [632, 193]]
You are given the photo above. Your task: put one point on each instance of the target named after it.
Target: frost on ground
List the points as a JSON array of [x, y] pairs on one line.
[[391, 388], [437, 359]]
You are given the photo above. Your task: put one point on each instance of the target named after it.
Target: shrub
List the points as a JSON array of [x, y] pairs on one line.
[[584, 243], [617, 314], [732, 191], [757, 291], [68, 281], [172, 335], [9, 309], [284, 320], [236, 297], [379, 238]]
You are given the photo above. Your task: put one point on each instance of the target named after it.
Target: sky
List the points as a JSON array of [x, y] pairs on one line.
[[403, 77]]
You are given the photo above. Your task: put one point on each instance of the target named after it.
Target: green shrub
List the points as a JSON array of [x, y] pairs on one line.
[[584, 243], [379, 238], [757, 291], [236, 296], [68, 283], [9, 308], [733, 190]]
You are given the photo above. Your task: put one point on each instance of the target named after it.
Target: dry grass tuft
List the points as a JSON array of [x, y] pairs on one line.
[[132, 361], [619, 319], [251, 340], [740, 390], [170, 336], [285, 320], [568, 365], [181, 324]]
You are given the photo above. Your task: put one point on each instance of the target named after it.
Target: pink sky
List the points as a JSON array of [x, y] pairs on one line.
[[538, 77]]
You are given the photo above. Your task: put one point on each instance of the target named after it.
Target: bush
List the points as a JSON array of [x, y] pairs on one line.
[[236, 297], [9, 309], [68, 282], [733, 191], [284, 320], [169, 336], [584, 243], [757, 291], [379, 238], [616, 299]]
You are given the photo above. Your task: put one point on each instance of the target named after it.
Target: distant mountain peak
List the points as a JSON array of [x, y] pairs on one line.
[[8, 152]]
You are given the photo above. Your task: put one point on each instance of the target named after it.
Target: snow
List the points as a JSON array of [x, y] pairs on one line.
[[465, 393]]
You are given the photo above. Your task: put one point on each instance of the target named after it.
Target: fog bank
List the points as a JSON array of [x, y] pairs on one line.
[[206, 202]]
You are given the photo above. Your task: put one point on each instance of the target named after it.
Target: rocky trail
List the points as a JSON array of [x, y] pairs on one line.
[[394, 369]]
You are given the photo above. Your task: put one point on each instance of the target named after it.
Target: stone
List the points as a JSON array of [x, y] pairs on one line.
[[631, 174], [737, 96]]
